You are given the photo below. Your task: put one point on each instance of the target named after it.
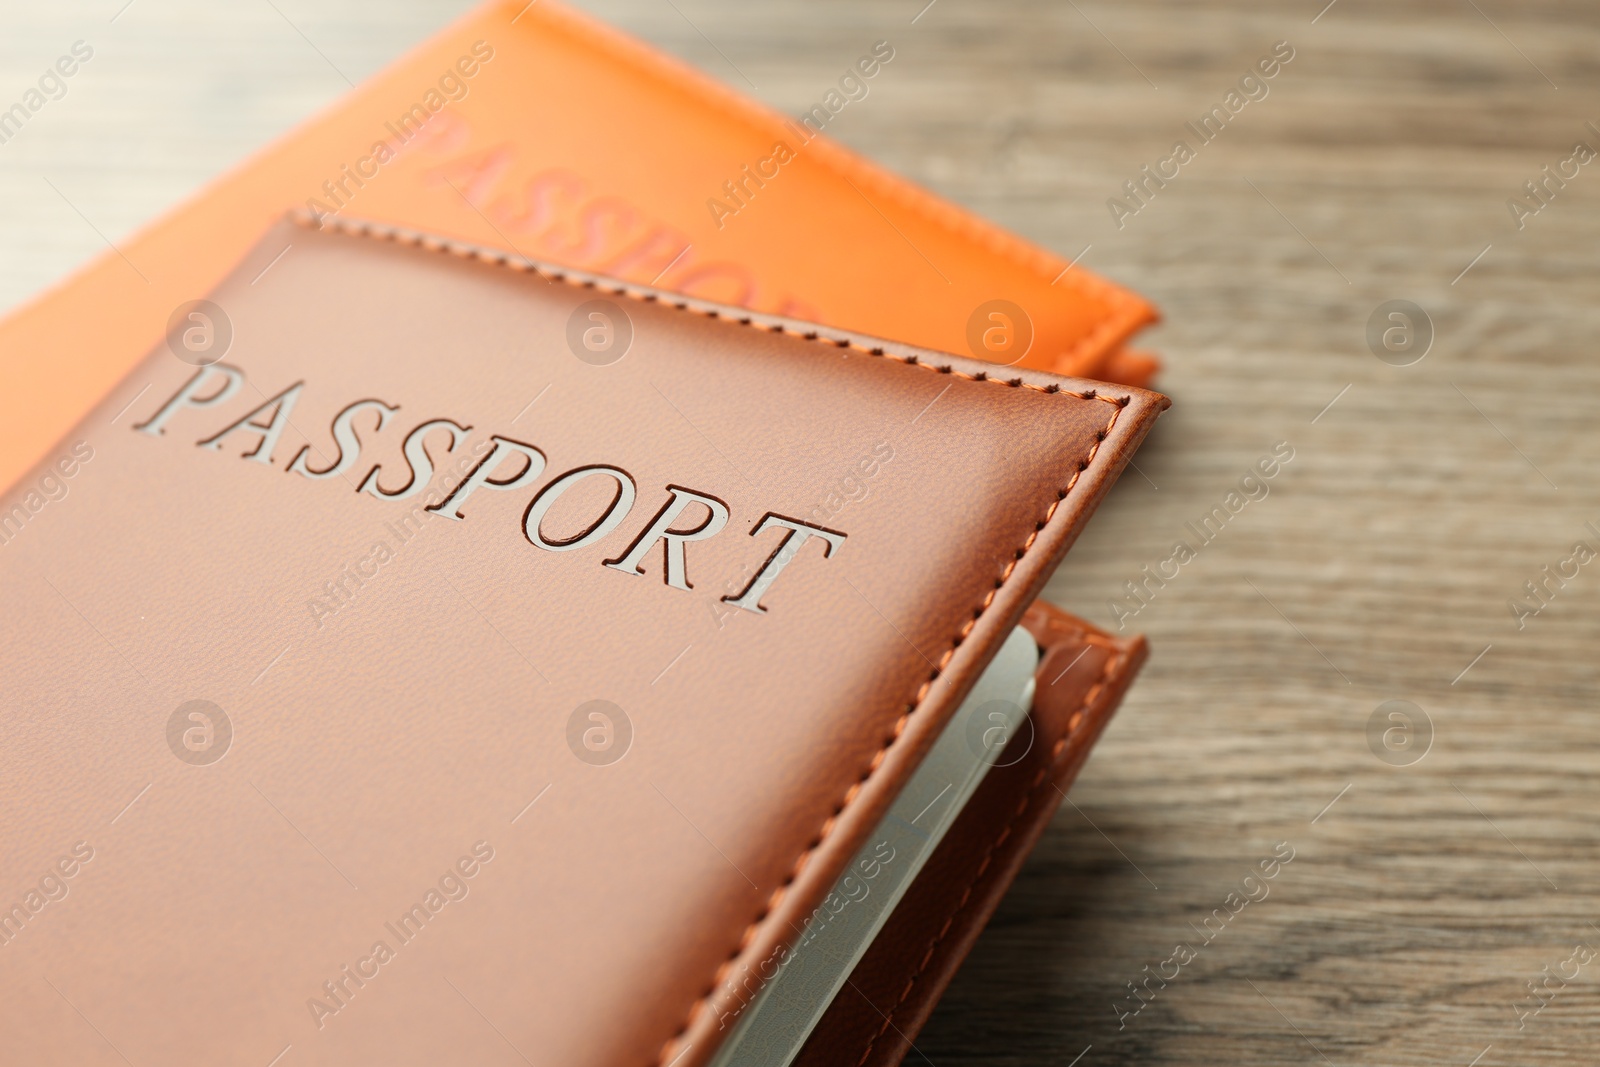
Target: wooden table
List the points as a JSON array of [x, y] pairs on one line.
[[1421, 899]]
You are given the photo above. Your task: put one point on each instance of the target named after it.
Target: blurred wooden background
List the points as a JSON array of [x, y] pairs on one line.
[[1422, 902]]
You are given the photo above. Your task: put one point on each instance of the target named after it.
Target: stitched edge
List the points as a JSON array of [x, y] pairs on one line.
[[1125, 308], [462, 250], [645, 294], [1113, 666]]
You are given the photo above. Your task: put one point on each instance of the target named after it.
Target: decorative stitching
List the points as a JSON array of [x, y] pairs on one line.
[[1113, 666], [644, 294]]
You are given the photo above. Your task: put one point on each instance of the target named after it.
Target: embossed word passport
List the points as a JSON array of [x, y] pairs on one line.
[[437, 657], [532, 127]]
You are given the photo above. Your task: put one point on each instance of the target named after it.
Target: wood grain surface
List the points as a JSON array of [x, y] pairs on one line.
[[1381, 564]]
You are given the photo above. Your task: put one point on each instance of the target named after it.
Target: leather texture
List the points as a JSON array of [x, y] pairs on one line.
[[1082, 677], [574, 144], [379, 747]]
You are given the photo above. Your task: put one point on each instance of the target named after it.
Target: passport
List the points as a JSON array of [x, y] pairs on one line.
[[536, 129], [437, 656]]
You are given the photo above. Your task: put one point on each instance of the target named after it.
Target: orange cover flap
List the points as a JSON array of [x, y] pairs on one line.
[[534, 128]]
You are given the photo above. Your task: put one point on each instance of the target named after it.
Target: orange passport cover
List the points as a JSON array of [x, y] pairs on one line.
[[531, 127]]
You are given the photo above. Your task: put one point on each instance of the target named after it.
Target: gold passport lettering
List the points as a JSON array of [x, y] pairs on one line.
[[509, 465]]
